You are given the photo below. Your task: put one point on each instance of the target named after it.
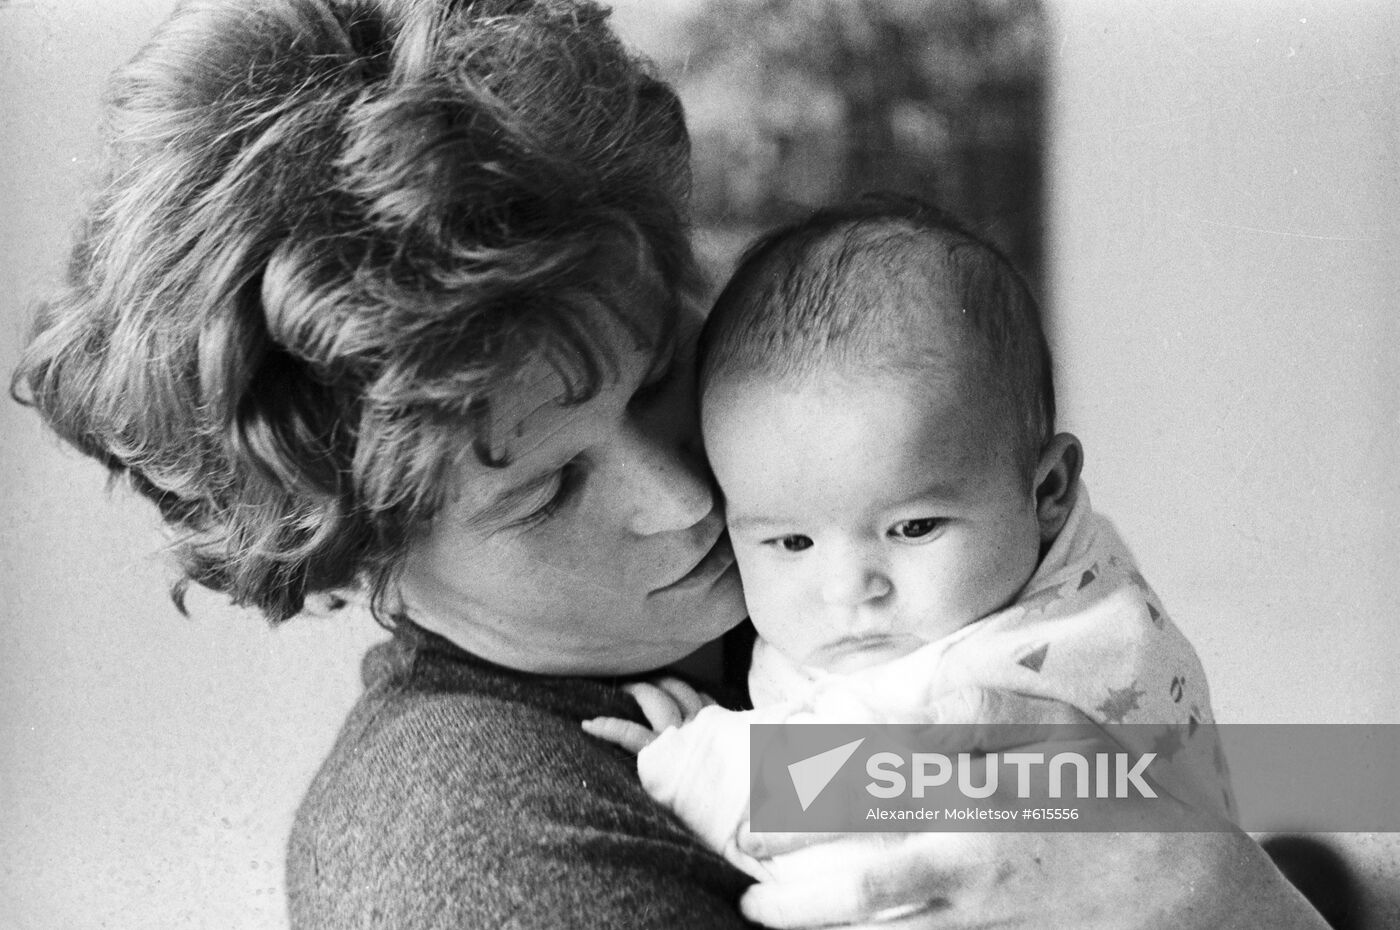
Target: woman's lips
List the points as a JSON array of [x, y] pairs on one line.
[[715, 563]]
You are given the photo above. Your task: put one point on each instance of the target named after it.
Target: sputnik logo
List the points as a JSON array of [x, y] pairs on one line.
[[811, 775]]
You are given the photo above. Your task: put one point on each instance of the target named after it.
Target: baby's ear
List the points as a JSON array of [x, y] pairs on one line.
[[1057, 484]]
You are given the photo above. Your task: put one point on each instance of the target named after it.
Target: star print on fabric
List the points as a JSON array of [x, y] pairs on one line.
[[1040, 600], [1196, 718], [1035, 658], [1168, 742], [1158, 618], [1178, 688], [1120, 703], [1088, 577], [1134, 577]]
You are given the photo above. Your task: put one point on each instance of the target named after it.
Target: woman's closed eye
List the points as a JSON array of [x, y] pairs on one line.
[[562, 487], [919, 528]]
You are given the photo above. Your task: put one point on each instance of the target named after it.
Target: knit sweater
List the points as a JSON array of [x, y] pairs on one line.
[[461, 794]]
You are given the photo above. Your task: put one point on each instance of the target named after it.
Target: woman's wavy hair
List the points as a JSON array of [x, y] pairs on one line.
[[328, 229]]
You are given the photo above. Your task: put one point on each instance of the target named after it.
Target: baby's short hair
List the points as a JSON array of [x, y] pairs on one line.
[[836, 290]]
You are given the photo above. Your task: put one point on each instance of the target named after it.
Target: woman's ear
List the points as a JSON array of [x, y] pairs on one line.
[[1057, 484]]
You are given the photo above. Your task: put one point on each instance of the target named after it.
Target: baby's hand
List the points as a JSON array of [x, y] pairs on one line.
[[667, 702]]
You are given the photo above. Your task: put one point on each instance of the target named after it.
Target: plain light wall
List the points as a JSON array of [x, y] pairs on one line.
[[1224, 204], [1224, 240], [149, 763], [1223, 194]]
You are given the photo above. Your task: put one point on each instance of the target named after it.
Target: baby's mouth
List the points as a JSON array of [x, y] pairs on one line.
[[850, 653]]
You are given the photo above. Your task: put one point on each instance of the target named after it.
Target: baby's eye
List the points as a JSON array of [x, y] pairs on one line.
[[793, 543], [915, 529]]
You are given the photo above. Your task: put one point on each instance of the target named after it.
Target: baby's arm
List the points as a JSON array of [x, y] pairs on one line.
[[694, 759]]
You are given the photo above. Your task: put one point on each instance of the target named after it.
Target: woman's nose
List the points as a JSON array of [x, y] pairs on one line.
[[849, 579], [668, 486]]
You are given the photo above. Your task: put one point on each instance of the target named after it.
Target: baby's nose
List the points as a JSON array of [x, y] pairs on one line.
[[853, 583]]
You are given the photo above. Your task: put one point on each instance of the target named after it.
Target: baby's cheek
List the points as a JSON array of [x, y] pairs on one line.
[[773, 601], [947, 586], [1002, 576], [935, 605]]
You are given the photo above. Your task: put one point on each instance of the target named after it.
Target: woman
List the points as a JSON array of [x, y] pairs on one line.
[[392, 299]]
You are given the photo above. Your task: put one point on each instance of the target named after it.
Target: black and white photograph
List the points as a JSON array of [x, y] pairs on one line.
[[626, 464]]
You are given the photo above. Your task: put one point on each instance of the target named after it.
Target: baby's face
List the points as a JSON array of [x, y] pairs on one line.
[[870, 514]]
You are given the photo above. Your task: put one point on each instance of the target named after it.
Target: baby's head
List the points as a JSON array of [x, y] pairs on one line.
[[877, 406]]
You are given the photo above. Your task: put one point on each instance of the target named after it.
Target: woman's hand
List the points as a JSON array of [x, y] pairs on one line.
[[1206, 874], [1184, 881]]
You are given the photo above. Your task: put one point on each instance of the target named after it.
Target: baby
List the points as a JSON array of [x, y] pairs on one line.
[[877, 406]]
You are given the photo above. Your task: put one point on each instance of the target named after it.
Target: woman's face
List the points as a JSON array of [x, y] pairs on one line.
[[600, 547]]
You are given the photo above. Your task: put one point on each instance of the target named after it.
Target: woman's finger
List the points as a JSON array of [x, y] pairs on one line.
[[936, 914], [661, 710], [769, 844], [861, 878]]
